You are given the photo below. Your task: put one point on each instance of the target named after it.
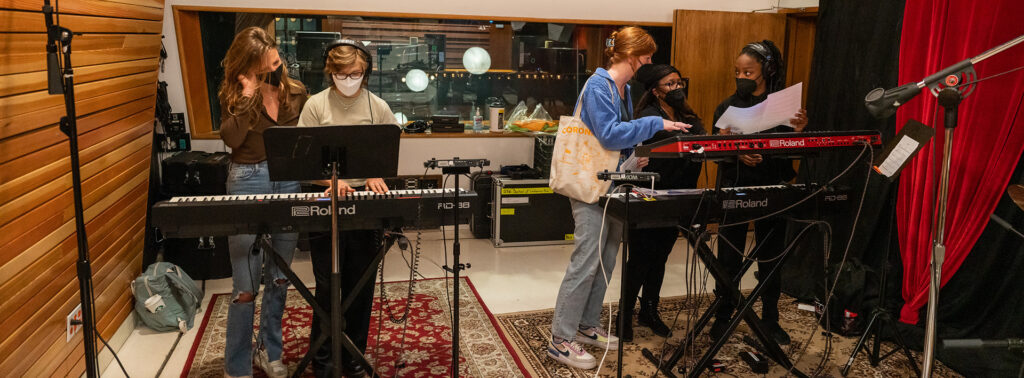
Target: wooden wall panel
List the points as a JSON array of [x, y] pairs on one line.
[[29, 22], [91, 8], [21, 123], [800, 31], [705, 46], [37, 81], [116, 63]]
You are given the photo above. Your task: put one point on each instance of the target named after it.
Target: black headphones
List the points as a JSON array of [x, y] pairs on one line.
[[417, 127], [354, 44], [770, 64]]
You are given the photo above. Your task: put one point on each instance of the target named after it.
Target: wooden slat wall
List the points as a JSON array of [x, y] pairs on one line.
[[116, 62]]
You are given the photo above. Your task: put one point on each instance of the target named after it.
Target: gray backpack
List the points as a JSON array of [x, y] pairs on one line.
[[166, 298]]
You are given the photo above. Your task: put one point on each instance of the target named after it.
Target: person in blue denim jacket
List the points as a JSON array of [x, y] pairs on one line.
[[256, 94], [607, 111]]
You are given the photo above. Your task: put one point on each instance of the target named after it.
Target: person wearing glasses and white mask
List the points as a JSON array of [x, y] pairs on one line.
[[347, 102]]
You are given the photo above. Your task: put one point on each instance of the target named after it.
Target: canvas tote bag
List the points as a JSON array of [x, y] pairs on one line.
[[577, 158]]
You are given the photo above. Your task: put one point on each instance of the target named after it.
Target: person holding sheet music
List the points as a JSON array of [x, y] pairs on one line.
[[345, 102], [256, 94], [759, 72]]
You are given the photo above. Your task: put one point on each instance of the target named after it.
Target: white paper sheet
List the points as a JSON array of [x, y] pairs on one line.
[[776, 110], [898, 156], [629, 164]]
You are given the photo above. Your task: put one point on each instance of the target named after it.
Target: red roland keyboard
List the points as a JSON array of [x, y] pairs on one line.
[[716, 146]]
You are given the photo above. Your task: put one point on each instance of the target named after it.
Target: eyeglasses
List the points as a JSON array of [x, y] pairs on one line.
[[674, 84], [354, 75]]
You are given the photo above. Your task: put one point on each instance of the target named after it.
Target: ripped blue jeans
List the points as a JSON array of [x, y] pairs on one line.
[[248, 270]]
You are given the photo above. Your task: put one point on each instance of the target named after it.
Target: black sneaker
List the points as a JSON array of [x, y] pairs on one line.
[[776, 332], [718, 329]]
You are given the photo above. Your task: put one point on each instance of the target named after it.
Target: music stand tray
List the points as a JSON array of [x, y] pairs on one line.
[[303, 153]]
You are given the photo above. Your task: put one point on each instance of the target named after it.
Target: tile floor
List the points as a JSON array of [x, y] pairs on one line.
[[508, 279]]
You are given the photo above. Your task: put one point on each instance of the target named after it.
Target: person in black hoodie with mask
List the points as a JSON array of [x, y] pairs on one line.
[[759, 72], [663, 97]]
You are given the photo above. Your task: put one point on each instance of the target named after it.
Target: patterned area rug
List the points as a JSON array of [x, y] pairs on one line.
[[424, 351], [530, 332]]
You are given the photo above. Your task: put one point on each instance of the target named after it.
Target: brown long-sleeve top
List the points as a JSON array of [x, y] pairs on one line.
[[244, 132]]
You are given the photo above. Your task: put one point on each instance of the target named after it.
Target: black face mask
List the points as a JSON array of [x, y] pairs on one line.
[[676, 98], [745, 87], [274, 77]]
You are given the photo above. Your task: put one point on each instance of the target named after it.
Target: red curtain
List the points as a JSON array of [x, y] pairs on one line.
[[986, 145]]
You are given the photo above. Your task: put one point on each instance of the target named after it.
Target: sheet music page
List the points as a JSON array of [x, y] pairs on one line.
[[776, 110], [781, 106], [630, 164], [903, 150]]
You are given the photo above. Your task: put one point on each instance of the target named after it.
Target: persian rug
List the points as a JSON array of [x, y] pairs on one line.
[[530, 333], [418, 347]]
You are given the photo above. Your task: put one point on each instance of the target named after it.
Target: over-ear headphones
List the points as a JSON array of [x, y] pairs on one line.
[[416, 127], [354, 44], [770, 62]]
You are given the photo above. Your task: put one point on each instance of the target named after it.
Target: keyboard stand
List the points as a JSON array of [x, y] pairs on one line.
[[333, 152], [744, 313], [263, 242]]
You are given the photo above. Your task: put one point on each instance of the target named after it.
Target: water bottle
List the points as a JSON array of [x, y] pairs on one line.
[[478, 122]]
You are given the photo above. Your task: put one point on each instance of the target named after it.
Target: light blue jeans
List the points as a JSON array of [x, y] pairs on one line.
[[582, 292], [248, 270]]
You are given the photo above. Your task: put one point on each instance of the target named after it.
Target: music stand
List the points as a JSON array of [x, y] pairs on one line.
[[331, 153]]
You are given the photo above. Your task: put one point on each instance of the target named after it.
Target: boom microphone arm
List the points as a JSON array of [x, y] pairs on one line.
[[882, 103]]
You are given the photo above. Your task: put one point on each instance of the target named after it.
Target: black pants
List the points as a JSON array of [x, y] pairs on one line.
[[648, 253], [357, 250], [769, 244]]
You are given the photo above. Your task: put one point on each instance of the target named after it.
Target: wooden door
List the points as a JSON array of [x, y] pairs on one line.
[[704, 47]]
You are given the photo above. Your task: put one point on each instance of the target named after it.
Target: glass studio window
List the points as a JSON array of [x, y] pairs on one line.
[[424, 67]]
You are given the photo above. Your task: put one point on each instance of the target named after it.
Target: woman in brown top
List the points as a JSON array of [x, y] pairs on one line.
[[256, 94]]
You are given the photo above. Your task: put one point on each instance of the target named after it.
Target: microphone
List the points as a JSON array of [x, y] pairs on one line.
[[53, 79], [882, 103], [629, 176], [1011, 344]]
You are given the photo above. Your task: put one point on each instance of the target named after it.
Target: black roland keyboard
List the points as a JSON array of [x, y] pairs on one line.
[[668, 208], [182, 217]]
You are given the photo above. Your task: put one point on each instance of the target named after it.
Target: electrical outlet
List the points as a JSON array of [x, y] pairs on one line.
[[75, 314]]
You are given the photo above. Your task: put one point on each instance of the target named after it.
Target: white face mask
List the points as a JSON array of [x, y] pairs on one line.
[[348, 87]]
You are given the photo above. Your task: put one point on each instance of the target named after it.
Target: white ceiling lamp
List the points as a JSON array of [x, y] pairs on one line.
[[476, 60], [416, 80]]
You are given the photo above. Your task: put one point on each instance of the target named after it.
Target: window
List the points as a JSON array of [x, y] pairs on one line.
[[424, 67]]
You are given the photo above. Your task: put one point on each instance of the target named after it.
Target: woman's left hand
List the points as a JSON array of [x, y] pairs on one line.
[[799, 120], [642, 162], [377, 185]]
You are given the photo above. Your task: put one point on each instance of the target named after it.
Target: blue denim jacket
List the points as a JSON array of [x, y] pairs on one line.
[[601, 112]]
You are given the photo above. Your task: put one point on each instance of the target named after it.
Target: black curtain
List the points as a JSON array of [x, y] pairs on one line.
[[856, 50]]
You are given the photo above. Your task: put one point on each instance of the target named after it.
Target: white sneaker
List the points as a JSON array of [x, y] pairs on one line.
[[598, 337], [274, 369], [572, 354]]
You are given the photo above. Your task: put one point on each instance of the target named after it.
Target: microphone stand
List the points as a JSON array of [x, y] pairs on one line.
[[946, 85], [62, 81], [456, 167]]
